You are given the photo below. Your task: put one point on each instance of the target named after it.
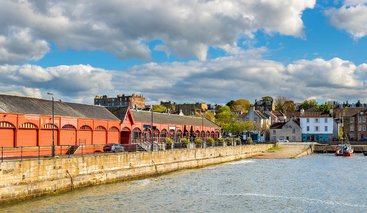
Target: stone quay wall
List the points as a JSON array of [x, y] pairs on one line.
[[31, 178]]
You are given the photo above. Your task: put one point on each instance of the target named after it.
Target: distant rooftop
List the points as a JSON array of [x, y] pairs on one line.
[[26, 105]]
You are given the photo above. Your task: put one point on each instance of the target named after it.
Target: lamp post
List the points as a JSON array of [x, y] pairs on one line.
[[151, 126], [53, 123]]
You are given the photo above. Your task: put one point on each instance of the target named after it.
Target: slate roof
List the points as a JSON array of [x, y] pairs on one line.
[[315, 115], [278, 125], [26, 105], [163, 118]]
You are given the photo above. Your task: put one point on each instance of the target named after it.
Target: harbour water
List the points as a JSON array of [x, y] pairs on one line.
[[316, 183]]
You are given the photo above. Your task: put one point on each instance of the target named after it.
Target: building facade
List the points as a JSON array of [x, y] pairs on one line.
[[261, 122], [144, 126], [316, 127], [290, 131], [357, 126], [132, 101], [28, 122], [191, 109], [265, 104]]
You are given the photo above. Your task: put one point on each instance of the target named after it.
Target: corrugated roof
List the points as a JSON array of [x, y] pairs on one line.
[[163, 118], [26, 105]]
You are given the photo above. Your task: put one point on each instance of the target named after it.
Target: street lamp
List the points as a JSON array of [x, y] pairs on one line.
[[53, 123]]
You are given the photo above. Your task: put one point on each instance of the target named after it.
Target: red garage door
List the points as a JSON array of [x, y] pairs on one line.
[[99, 135], [27, 137], [113, 135], [7, 137], [68, 135], [85, 136], [46, 137]]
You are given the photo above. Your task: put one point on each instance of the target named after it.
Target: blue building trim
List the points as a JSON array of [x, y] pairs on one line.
[[316, 137]]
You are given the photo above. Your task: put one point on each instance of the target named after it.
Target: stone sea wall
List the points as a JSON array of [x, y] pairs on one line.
[[37, 177]]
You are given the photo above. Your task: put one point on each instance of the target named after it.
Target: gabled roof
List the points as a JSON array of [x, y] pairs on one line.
[[315, 115], [278, 125], [26, 105], [163, 118], [261, 115]]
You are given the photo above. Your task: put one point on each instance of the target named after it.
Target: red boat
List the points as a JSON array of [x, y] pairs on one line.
[[344, 150]]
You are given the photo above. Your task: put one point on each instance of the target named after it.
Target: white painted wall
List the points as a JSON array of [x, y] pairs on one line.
[[313, 123]]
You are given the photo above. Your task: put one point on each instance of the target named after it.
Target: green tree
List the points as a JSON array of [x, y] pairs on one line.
[[309, 105], [242, 105], [279, 103], [325, 108], [159, 108], [289, 106]]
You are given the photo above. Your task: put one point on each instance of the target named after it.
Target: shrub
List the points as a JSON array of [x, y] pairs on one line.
[[238, 140], [220, 141], [184, 141], [198, 141], [210, 141], [168, 141], [229, 141], [249, 140]]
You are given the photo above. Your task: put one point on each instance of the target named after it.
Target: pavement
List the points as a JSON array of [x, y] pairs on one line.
[[285, 150]]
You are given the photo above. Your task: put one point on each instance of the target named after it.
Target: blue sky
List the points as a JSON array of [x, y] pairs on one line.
[[185, 51]]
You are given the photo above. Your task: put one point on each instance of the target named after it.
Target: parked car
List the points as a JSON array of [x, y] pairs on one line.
[[282, 140], [113, 147]]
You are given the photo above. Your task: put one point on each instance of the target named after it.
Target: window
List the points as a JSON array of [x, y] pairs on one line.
[[316, 120], [359, 119], [352, 128], [274, 138], [363, 119], [364, 127], [326, 129], [308, 120], [293, 130], [308, 128], [325, 120], [274, 131], [316, 128], [359, 127], [352, 120]]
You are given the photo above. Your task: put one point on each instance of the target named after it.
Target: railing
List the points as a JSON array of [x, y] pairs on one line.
[[23, 152]]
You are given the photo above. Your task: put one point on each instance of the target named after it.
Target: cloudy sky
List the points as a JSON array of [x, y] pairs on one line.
[[184, 50]]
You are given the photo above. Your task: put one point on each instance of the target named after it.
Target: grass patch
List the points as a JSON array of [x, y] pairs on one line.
[[274, 149]]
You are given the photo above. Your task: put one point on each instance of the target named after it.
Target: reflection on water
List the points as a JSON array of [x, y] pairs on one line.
[[317, 183]]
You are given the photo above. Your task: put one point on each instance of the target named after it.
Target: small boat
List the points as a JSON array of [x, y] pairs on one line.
[[344, 150], [365, 153]]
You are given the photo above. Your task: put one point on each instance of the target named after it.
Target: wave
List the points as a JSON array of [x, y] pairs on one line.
[[241, 162], [305, 199]]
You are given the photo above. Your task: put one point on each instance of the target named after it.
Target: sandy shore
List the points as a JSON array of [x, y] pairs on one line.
[[285, 150]]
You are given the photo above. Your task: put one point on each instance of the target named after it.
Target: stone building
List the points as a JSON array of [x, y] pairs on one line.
[[357, 126], [190, 109], [265, 104], [290, 131], [133, 101]]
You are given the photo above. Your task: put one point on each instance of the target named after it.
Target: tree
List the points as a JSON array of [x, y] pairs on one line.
[[242, 105], [309, 105], [279, 103], [159, 108], [289, 106], [325, 108]]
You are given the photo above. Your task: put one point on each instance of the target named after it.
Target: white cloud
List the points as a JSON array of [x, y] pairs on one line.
[[77, 83], [186, 27], [351, 17], [246, 75]]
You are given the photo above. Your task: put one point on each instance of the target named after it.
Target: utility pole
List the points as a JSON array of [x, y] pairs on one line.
[[151, 126], [53, 123]]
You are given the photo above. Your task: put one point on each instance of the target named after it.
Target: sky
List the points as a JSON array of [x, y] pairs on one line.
[[184, 50]]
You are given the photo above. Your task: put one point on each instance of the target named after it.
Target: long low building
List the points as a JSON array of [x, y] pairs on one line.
[[137, 126], [27, 122]]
